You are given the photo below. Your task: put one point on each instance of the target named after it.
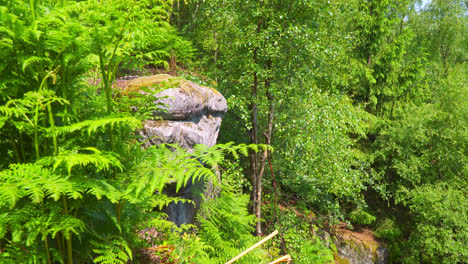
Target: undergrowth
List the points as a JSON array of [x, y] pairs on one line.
[[76, 185]]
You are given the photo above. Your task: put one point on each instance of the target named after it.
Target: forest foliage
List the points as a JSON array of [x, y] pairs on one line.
[[364, 105]]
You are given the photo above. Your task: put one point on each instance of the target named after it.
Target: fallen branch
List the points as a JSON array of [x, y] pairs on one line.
[[253, 247], [282, 259]]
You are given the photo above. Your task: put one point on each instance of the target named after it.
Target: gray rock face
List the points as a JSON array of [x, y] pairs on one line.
[[187, 133], [354, 249], [190, 100], [193, 116]]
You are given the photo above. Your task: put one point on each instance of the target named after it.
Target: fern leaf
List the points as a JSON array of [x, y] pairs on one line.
[[10, 193], [101, 188], [7, 32], [8, 112], [101, 160], [93, 126], [33, 60], [163, 201], [4, 217], [35, 193], [55, 187], [111, 250], [114, 220], [17, 181], [36, 182], [67, 224]]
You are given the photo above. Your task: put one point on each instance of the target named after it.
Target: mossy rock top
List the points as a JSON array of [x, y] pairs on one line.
[[182, 99], [359, 247]]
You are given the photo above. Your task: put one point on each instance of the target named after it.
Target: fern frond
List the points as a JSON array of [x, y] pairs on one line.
[[4, 219], [101, 160], [32, 60], [35, 182], [12, 179], [34, 226], [226, 226], [93, 126], [103, 188], [111, 250], [8, 111], [162, 201], [43, 97], [6, 32], [57, 186], [35, 193], [67, 224], [10, 193]]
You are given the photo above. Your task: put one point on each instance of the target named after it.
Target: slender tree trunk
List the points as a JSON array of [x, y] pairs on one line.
[[16, 151], [178, 13], [216, 55], [217, 48], [194, 15], [264, 157], [21, 144], [254, 155], [444, 54]]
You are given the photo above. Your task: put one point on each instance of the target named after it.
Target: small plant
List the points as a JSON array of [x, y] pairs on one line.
[[361, 217], [387, 229], [300, 238]]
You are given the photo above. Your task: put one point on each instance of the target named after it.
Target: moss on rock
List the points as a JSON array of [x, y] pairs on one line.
[[161, 82], [359, 247], [340, 260]]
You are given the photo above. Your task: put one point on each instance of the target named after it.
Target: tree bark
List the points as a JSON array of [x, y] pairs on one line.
[[254, 133], [267, 133], [254, 156]]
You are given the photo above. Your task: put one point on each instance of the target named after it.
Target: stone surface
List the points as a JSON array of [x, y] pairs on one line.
[[202, 129], [359, 248], [191, 114]]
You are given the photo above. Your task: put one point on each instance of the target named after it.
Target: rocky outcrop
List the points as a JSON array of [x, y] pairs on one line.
[[190, 114], [359, 248]]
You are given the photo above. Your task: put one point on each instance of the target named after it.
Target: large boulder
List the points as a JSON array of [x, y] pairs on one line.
[[359, 247], [190, 114]]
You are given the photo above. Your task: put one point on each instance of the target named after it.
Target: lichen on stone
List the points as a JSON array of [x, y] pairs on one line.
[[360, 247], [340, 260], [156, 123], [157, 83]]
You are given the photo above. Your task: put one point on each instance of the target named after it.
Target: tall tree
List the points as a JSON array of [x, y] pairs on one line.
[[422, 158], [421, 154], [442, 28], [253, 39], [382, 70], [269, 58]]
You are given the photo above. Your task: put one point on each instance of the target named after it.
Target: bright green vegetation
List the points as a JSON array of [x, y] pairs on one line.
[[365, 105]]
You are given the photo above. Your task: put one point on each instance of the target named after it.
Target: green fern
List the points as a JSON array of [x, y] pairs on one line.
[[9, 111], [23, 180], [81, 187], [34, 60], [225, 229], [100, 188], [35, 182], [72, 158], [101, 124], [226, 225], [111, 250]]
